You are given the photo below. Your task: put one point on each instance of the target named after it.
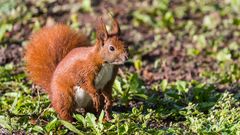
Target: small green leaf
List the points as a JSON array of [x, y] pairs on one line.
[[182, 86], [163, 85], [144, 96], [101, 117], [91, 119], [91, 122], [117, 86], [4, 29], [38, 129], [15, 102], [4, 123], [223, 55], [86, 5], [52, 125], [138, 64], [142, 17], [80, 118], [71, 127]]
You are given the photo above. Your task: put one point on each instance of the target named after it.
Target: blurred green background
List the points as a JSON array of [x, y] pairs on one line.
[[183, 76]]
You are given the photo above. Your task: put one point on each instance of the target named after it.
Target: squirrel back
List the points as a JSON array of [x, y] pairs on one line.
[[47, 48]]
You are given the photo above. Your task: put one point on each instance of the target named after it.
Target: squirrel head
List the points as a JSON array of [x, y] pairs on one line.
[[110, 47]]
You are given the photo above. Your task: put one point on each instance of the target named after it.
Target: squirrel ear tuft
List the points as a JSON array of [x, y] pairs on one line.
[[115, 28], [102, 33]]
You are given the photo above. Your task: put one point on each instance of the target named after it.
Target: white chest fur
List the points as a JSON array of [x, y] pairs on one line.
[[81, 97]]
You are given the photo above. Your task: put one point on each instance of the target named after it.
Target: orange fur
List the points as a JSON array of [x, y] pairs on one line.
[[47, 48], [58, 59]]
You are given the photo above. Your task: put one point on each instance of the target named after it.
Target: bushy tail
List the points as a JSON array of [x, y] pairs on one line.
[[47, 48]]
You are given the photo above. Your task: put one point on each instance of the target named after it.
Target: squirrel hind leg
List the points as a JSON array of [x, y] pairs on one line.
[[63, 104], [90, 107]]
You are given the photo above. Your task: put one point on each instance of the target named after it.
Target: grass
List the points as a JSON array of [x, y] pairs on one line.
[[183, 76]]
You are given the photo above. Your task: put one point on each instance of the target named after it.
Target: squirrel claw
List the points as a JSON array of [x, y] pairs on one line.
[[108, 117], [96, 101]]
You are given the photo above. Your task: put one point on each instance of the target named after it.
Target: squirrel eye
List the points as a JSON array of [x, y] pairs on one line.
[[111, 48]]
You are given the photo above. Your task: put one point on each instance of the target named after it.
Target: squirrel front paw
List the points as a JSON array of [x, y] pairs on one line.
[[108, 117], [96, 101]]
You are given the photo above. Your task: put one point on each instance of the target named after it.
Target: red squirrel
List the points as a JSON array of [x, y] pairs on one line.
[[72, 72]]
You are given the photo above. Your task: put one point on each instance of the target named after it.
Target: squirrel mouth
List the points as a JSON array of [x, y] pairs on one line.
[[118, 62]]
